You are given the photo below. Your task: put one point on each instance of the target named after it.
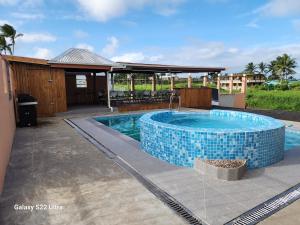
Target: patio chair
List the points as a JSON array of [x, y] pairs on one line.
[[147, 96]]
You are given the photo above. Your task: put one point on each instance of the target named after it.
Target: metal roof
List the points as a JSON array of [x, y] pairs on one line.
[[81, 57], [143, 67]]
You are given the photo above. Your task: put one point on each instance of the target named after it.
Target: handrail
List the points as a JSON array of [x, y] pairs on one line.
[[171, 101], [179, 103]]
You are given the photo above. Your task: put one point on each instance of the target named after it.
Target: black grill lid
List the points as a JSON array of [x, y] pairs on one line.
[[25, 98]]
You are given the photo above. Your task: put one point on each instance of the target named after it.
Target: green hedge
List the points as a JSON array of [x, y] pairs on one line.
[[276, 99]]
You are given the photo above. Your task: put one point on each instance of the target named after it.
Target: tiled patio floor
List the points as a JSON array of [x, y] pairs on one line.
[[53, 164]]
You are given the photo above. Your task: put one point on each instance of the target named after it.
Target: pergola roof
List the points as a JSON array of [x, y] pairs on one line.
[[82, 57], [150, 68]]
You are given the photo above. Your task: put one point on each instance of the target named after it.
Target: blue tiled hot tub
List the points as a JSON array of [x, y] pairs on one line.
[[180, 137]]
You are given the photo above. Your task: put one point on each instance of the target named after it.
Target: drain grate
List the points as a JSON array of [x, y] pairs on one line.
[[268, 208], [171, 202]]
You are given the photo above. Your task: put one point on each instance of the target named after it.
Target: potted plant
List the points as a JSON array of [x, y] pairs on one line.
[[224, 169]]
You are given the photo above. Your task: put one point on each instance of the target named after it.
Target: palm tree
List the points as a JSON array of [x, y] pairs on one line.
[[272, 69], [285, 66], [4, 46], [10, 32], [262, 68], [250, 68]]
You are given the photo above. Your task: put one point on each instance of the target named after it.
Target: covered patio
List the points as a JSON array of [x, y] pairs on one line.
[[79, 77], [155, 73]]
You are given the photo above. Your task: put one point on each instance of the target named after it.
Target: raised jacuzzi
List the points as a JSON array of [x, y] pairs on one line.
[[180, 137]]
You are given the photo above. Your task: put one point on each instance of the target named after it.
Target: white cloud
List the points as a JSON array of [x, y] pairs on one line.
[[130, 57], [105, 10], [80, 34], [111, 47], [85, 46], [24, 3], [252, 24], [37, 37], [296, 24], [138, 57], [28, 16], [8, 2], [155, 58], [279, 8], [233, 50], [129, 23], [43, 53], [212, 54], [2, 22]]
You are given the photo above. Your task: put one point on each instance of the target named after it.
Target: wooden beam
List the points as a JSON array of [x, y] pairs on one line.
[[80, 66], [21, 59]]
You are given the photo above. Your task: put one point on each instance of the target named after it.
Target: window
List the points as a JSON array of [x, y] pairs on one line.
[[81, 81]]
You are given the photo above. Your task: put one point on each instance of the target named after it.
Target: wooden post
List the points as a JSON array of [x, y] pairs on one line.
[[154, 82], [230, 83], [132, 86], [219, 82], [205, 81], [244, 84], [172, 83], [190, 80]]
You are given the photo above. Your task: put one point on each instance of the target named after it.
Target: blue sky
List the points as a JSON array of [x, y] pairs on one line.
[[226, 33]]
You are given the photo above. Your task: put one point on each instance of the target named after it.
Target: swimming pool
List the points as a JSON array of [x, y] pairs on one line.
[[130, 126]]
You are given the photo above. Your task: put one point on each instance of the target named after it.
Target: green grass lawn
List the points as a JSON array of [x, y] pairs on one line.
[[275, 99]]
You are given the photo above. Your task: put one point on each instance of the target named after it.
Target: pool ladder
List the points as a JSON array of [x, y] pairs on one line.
[[171, 102]]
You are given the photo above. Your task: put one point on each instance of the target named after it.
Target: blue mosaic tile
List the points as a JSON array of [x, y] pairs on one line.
[[260, 146]]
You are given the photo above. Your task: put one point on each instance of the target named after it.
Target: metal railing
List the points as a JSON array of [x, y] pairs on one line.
[[171, 102]]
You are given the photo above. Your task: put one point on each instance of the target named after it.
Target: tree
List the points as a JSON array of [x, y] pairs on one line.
[[272, 69], [250, 68], [212, 75], [10, 32], [285, 66], [4, 47], [262, 68]]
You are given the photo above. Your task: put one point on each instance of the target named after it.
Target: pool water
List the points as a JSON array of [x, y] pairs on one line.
[[129, 125], [292, 139], [203, 120]]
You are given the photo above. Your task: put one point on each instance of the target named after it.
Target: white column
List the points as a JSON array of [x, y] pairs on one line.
[[205, 80], [190, 81], [219, 82], [244, 84], [108, 84], [172, 83], [230, 83]]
